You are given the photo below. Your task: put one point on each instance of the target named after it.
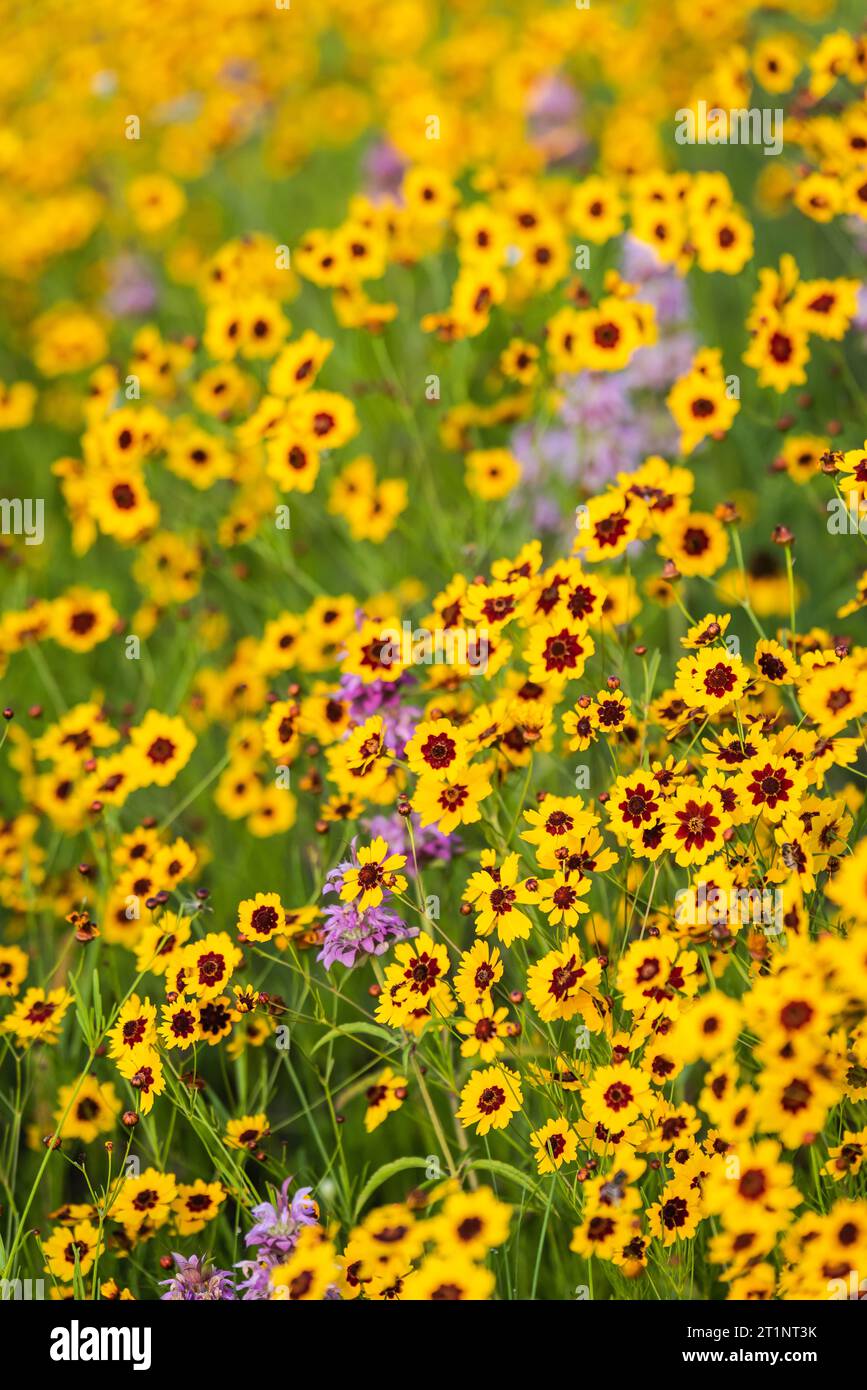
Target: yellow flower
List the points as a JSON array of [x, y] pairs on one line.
[[91, 1111], [491, 473], [69, 1249], [384, 1095], [196, 1204], [161, 745], [247, 1132], [555, 1143], [145, 1200], [490, 1098], [155, 201]]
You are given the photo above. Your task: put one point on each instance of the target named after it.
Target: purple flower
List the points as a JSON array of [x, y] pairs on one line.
[[131, 288], [609, 423], [274, 1236], [348, 933], [383, 698], [660, 283], [554, 112], [430, 844], [383, 168], [277, 1223], [198, 1283]]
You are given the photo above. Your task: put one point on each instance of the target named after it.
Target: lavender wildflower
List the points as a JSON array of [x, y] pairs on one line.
[[274, 1235], [198, 1282]]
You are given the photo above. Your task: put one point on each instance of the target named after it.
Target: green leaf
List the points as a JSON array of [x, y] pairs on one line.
[[388, 1170], [373, 1029], [506, 1170], [97, 1002], [83, 1013]]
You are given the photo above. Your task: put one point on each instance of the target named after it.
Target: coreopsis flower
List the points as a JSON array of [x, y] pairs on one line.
[[601, 1234], [795, 854], [655, 975], [490, 1098], [616, 1096], [180, 1026], [210, 964], [216, 1017], [196, 1204], [779, 351], [561, 897], [694, 823], [711, 680], [470, 1224], [384, 1095], [145, 1199], [562, 984], [832, 695], [417, 974], [697, 544], [795, 1099], [82, 618], [479, 970], [770, 787], [701, 402], [750, 1179], [14, 964], [635, 804], [848, 1156], [135, 1028], [581, 724], [143, 1069], [484, 1030], [558, 823], [555, 1143], [437, 747], [87, 1110], [607, 525], [775, 663], [675, 1217], [375, 652], [360, 763], [247, 1132], [309, 1271], [261, 918], [452, 798], [497, 894], [367, 882], [161, 746], [72, 1250], [596, 209], [280, 732], [491, 473], [708, 1028], [611, 710]]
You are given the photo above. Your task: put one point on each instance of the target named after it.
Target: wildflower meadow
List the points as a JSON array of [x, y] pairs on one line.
[[432, 651]]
